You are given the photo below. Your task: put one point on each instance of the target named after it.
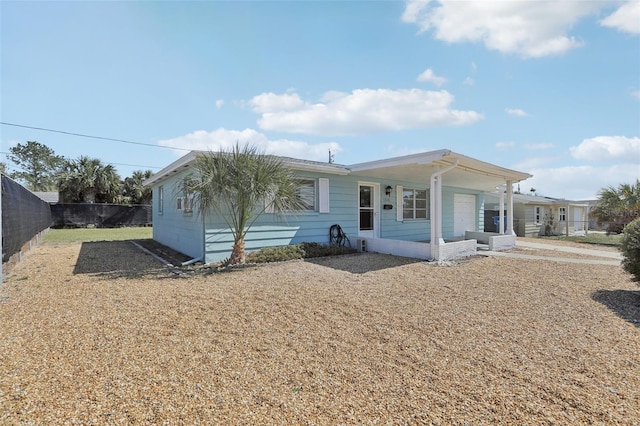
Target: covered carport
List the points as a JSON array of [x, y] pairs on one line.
[[445, 168]]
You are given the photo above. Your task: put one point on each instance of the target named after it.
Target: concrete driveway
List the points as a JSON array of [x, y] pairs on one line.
[[582, 254]]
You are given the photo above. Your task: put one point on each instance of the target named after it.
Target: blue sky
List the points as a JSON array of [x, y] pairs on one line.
[[548, 88]]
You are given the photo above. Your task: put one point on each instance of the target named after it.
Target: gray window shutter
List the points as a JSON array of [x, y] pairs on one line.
[[399, 203], [323, 195]]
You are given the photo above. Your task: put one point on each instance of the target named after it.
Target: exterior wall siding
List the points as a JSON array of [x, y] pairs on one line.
[[185, 232], [172, 227]]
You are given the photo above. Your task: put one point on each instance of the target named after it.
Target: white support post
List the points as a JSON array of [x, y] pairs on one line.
[[436, 209], [510, 208], [501, 224], [566, 220]]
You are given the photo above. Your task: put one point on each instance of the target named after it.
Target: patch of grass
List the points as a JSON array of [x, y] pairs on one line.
[[594, 238], [97, 234], [296, 251]]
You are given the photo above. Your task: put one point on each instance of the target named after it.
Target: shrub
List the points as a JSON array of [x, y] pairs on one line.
[[630, 249], [275, 254], [296, 251]]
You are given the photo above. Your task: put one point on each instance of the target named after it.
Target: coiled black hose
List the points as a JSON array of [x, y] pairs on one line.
[[337, 237]]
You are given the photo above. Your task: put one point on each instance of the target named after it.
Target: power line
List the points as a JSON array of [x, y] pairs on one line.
[[90, 136], [107, 162]]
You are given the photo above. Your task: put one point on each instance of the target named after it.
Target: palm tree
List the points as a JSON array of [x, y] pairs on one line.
[[134, 191], [88, 180], [617, 207], [240, 185]]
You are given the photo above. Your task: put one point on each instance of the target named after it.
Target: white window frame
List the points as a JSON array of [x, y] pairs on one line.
[[537, 215], [320, 198], [311, 197], [562, 214], [185, 204], [414, 209]]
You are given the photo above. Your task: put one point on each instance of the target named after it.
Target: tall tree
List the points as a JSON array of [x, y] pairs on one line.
[[88, 180], [37, 164], [239, 186], [617, 207], [134, 191]]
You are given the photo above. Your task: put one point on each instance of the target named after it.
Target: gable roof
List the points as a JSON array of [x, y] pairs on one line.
[[468, 173], [185, 162]]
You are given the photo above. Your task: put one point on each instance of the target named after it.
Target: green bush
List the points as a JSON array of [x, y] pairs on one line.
[[630, 249], [296, 251]]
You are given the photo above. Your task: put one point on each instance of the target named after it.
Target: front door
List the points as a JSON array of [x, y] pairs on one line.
[[368, 217], [464, 214], [577, 219]]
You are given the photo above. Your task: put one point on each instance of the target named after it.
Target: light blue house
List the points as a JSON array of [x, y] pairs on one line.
[[428, 205]]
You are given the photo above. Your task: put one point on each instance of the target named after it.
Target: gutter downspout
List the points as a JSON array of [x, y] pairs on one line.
[[435, 210], [204, 240], [192, 261]]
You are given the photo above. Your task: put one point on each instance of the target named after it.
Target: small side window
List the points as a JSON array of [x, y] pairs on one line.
[[160, 199], [537, 214]]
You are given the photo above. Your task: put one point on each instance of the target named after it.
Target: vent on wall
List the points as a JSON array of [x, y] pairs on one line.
[[361, 245]]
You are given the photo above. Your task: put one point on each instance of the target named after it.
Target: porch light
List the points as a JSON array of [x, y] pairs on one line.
[[387, 190]]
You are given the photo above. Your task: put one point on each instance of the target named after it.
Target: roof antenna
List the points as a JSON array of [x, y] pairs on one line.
[[331, 156]]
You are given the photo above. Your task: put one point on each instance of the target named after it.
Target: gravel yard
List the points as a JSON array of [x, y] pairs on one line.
[[100, 332]]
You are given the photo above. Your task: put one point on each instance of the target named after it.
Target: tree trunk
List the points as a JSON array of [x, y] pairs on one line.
[[237, 255], [90, 196]]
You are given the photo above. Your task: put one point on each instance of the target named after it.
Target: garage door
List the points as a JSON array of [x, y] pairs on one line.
[[464, 214]]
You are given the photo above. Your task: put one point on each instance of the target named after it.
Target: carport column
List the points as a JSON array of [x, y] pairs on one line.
[[567, 214], [501, 224], [435, 214], [435, 209], [510, 208]]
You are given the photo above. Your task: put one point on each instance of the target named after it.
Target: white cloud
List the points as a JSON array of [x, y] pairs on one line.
[[608, 148], [468, 81], [429, 75], [538, 146], [530, 163], [625, 19], [635, 94], [362, 111], [516, 112], [528, 28], [578, 182], [219, 103], [505, 145], [224, 139]]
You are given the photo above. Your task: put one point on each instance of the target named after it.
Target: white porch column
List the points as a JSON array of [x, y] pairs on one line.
[[435, 209], [435, 214], [501, 224], [510, 208], [566, 220]]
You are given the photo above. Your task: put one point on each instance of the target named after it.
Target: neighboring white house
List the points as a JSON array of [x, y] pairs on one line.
[[428, 205], [51, 197], [536, 215]]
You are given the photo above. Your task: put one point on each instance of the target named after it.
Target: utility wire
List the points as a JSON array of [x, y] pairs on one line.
[[90, 136], [108, 162]]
